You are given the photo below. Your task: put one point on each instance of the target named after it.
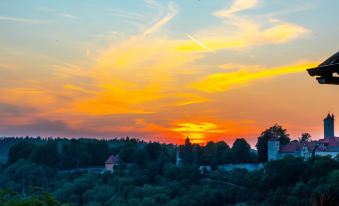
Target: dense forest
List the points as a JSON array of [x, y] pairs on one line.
[[38, 171]]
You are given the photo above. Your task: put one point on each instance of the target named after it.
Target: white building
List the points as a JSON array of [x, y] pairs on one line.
[[111, 162]]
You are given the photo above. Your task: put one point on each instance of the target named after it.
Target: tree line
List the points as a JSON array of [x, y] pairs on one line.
[[148, 175]]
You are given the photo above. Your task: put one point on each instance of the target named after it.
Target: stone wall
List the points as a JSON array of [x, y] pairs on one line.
[[331, 154], [248, 166]]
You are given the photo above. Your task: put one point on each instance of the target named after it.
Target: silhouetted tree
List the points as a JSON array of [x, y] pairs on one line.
[[305, 137], [9, 198], [21, 150], [141, 157], [75, 154], [186, 151], [241, 151], [128, 149], [275, 131], [46, 154], [99, 151], [154, 150]]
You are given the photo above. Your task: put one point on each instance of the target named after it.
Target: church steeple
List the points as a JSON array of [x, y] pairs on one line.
[[178, 161], [329, 126]]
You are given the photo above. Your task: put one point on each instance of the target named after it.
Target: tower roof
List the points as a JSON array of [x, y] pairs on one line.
[[329, 116]]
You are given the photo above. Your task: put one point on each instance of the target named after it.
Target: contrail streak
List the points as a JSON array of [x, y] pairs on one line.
[[200, 43]]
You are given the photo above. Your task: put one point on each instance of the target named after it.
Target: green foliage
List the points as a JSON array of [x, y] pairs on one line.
[[21, 150], [322, 166], [8, 198], [26, 175], [284, 172], [46, 154], [75, 154], [128, 150], [140, 157], [262, 147], [214, 153], [153, 149], [305, 137], [73, 191], [241, 151], [148, 176], [186, 152]]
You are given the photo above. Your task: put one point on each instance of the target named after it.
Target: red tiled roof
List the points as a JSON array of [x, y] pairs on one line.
[[322, 145], [328, 144], [112, 159], [324, 141], [311, 145], [290, 147], [332, 141]]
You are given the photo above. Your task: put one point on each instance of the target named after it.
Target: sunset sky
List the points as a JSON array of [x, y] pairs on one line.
[[163, 70]]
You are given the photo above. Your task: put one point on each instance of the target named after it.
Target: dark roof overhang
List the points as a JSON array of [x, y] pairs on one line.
[[325, 71]]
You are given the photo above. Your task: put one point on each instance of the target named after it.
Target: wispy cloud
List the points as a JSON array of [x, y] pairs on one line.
[[172, 11], [237, 6], [42, 8], [22, 20], [55, 12], [128, 15], [236, 32], [7, 66], [246, 35], [68, 16], [294, 9], [155, 6], [109, 36]]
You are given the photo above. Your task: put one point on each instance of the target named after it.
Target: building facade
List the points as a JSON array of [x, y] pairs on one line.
[[178, 160], [111, 162]]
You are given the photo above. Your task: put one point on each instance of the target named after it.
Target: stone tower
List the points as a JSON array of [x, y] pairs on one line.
[[273, 149], [329, 126]]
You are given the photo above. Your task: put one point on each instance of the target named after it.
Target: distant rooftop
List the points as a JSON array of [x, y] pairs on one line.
[[113, 159]]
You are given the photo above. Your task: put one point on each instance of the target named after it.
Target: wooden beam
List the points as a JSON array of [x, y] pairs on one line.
[[328, 80]]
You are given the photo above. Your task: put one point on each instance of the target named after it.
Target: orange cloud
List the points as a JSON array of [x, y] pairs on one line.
[[219, 82], [197, 131]]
